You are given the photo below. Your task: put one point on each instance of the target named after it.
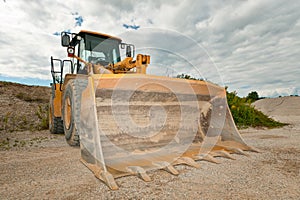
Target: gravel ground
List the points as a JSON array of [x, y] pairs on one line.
[[48, 168], [38, 165]]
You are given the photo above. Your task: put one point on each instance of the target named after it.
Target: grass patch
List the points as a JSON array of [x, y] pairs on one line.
[[4, 144], [7, 144], [26, 97], [43, 115], [39, 120]]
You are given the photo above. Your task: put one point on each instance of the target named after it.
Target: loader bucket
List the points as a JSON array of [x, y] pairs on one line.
[[130, 124]]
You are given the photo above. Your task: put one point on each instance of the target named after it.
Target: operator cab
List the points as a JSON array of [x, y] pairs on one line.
[[95, 48], [98, 49]]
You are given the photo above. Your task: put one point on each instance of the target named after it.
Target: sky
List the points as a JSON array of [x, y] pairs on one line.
[[246, 45]]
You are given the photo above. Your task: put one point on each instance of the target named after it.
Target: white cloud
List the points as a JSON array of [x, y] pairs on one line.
[[255, 44]]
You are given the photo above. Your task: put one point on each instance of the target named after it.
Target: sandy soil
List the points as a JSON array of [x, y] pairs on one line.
[[42, 166], [23, 107]]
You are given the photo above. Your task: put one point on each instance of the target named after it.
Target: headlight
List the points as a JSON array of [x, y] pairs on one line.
[[71, 51]]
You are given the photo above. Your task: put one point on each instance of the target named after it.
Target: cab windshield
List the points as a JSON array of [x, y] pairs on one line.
[[99, 50]]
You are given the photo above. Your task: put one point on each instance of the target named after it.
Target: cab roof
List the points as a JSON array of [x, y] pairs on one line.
[[99, 34]]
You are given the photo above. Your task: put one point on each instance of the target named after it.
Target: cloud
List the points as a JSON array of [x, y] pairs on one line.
[[256, 48], [254, 44]]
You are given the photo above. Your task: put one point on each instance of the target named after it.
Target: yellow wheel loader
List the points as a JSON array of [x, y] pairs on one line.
[[127, 122]]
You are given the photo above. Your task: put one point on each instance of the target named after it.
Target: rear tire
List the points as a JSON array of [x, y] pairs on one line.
[[71, 112], [55, 123]]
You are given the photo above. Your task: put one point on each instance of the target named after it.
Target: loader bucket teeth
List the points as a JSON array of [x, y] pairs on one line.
[[253, 149], [171, 170], [167, 167], [131, 124], [140, 172], [108, 178], [188, 161], [223, 154], [207, 157], [104, 176], [237, 151]]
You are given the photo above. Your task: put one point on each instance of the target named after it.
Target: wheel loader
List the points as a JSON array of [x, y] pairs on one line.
[[127, 122]]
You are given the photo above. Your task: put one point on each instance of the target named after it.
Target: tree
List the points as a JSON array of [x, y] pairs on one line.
[[186, 76], [252, 96]]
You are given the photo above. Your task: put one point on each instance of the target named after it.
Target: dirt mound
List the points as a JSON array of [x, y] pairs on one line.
[[283, 109], [23, 107]]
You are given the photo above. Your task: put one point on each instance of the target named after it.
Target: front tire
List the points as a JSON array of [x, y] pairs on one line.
[[71, 111]]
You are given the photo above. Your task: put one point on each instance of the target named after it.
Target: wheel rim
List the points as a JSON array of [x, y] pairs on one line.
[[67, 113]]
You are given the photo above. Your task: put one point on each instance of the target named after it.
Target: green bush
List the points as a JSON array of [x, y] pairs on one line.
[[245, 115]]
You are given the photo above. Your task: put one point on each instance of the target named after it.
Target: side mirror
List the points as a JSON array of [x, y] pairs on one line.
[[128, 51], [65, 39], [122, 45]]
